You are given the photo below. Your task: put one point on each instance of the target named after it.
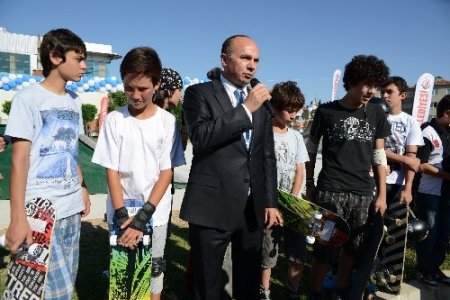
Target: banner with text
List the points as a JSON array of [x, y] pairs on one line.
[[422, 97]]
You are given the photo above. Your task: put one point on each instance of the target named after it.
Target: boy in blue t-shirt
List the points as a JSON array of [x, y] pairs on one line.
[[43, 128]]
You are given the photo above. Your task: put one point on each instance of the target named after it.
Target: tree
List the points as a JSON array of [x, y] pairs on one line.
[[116, 100], [6, 107], [88, 111]]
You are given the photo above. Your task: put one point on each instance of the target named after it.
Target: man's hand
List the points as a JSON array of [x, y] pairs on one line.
[[412, 163], [130, 237], [3, 143], [87, 203], [19, 232], [273, 218], [256, 97], [405, 196], [380, 205]]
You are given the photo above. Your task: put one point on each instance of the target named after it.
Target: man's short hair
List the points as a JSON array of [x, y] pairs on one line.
[[399, 82], [142, 61], [287, 96], [58, 42], [443, 105], [226, 45], [368, 69]]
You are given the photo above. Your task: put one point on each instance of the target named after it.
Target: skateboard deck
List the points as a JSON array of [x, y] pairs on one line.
[[317, 224], [130, 270], [27, 271], [392, 251]]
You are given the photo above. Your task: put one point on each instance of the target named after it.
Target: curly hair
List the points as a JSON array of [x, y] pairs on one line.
[[58, 42], [367, 69], [142, 61], [287, 96], [399, 82]]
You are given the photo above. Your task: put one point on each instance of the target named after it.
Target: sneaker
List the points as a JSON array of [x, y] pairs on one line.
[[429, 280], [264, 294], [441, 277]]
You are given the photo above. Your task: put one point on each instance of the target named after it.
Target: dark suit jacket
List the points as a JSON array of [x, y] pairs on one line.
[[222, 168]]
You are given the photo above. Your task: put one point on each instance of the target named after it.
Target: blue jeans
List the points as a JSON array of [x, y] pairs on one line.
[[435, 210]]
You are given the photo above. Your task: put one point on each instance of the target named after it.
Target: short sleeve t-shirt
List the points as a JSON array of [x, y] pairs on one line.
[[290, 151], [52, 123], [348, 138], [405, 131], [139, 150]]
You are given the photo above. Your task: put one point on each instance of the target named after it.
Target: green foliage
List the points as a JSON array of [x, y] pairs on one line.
[[89, 111], [177, 111], [6, 107], [116, 100]]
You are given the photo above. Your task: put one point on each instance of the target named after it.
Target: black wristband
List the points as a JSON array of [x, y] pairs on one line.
[[120, 216], [143, 216]]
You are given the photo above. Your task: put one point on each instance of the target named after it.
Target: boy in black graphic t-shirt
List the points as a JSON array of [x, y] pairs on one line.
[[352, 132]]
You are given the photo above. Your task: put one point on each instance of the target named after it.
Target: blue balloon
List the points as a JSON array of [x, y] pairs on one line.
[[79, 83], [26, 77], [12, 84], [19, 80], [102, 83], [97, 86], [91, 89], [6, 87]]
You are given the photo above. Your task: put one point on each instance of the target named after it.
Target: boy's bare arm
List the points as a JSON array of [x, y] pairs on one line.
[[406, 194], [19, 230], [298, 180], [114, 188], [380, 176], [132, 236], [409, 159], [434, 171], [85, 193]]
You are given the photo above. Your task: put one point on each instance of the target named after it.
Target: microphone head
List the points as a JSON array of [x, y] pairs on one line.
[[254, 82]]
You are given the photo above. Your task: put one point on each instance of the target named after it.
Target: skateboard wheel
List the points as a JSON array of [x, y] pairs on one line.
[[113, 240], [317, 215], [146, 240], [390, 240], [2, 241], [310, 240], [32, 249]]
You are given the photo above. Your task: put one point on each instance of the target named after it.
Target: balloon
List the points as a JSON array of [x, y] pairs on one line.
[[113, 90], [6, 87], [32, 80], [102, 89], [12, 84], [102, 83], [91, 89], [108, 87], [19, 80], [80, 89], [91, 82], [12, 76], [120, 87], [26, 84], [85, 86], [5, 79]]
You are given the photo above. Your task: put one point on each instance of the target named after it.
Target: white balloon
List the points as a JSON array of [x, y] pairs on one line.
[[19, 75], [12, 76], [5, 79], [113, 78], [119, 87], [25, 84], [80, 89], [108, 87], [85, 86], [1, 84], [97, 79], [91, 82], [102, 89], [19, 87], [114, 90], [69, 82], [32, 80]]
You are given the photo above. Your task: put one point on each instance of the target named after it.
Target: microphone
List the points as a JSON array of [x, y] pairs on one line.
[[266, 103]]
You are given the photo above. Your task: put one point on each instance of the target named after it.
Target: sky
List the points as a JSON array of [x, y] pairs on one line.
[[299, 40]]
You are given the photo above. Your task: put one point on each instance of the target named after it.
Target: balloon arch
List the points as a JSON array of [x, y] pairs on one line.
[[16, 82]]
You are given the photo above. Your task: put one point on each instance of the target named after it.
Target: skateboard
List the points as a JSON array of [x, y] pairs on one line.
[[391, 257], [317, 224], [130, 270], [27, 270]]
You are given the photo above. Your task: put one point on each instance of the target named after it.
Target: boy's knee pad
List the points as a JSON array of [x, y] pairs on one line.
[[158, 266]]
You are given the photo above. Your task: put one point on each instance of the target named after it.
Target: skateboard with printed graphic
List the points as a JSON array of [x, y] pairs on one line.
[[316, 223], [27, 271], [130, 270]]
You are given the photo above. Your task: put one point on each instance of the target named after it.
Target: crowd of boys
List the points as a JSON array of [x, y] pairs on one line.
[[241, 155]]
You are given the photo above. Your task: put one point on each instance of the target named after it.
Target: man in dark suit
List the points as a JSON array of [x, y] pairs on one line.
[[231, 191]]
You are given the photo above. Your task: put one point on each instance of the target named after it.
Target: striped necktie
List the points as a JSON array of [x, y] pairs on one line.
[[239, 94]]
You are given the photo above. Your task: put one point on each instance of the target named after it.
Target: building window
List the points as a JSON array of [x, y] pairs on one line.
[[14, 63], [448, 91]]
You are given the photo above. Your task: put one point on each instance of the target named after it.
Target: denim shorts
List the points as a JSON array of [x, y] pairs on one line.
[[354, 209], [63, 266]]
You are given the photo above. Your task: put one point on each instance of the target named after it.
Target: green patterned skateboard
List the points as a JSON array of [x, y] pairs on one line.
[[130, 270]]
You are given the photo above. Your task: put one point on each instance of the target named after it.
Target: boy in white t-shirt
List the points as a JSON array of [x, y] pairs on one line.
[[401, 146], [134, 146]]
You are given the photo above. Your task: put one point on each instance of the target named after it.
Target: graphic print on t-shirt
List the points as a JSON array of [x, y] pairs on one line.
[[58, 153], [286, 165], [350, 129]]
